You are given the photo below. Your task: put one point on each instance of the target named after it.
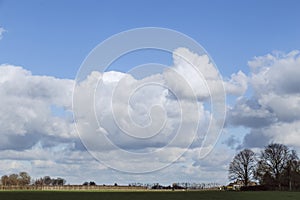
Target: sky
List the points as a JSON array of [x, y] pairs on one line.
[[255, 47]]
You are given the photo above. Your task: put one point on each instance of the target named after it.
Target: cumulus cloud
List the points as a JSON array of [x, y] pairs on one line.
[[281, 132], [25, 106], [273, 111], [249, 113], [232, 142], [140, 116], [159, 115], [237, 85], [196, 74]]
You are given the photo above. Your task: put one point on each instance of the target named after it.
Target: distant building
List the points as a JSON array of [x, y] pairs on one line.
[[235, 185], [238, 184]]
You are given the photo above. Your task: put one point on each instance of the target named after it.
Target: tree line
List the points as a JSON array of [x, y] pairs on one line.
[[276, 167], [47, 181], [24, 179], [21, 179]]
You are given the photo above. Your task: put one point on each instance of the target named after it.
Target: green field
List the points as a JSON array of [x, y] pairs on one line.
[[43, 195]]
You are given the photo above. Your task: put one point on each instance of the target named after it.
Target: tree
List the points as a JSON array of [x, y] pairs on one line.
[[296, 176], [242, 166], [291, 171], [85, 183], [58, 181], [47, 180], [39, 182], [5, 180], [13, 179], [24, 178], [274, 160], [92, 183]]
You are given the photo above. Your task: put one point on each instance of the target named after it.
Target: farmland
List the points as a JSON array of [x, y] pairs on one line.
[[174, 195]]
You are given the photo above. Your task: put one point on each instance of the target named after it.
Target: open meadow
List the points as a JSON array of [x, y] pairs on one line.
[[208, 195]]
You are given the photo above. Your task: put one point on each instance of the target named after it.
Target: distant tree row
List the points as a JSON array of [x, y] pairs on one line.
[[276, 167], [47, 180], [91, 183], [23, 179], [20, 179], [184, 185]]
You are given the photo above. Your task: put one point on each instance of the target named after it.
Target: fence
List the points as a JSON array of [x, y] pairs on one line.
[[74, 188]]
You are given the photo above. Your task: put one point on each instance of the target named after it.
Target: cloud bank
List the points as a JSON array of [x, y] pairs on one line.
[[272, 112], [157, 117], [38, 133]]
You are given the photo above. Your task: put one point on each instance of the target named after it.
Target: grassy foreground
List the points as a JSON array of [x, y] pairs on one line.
[[44, 195]]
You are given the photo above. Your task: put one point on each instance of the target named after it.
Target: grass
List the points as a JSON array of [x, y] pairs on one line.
[[209, 195]]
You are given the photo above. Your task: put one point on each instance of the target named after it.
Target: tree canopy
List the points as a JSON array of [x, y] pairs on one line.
[[276, 167]]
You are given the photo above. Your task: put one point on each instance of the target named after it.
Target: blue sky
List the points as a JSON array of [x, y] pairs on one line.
[[53, 37], [49, 40]]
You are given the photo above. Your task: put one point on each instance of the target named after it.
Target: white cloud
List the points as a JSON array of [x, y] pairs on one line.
[[276, 73], [287, 133], [150, 115], [25, 108], [273, 112], [163, 106], [249, 113], [237, 85]]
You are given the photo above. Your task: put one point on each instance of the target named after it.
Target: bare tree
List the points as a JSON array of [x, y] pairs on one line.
[[292, 168], [242, 166], [274, 160], [39, 182]]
